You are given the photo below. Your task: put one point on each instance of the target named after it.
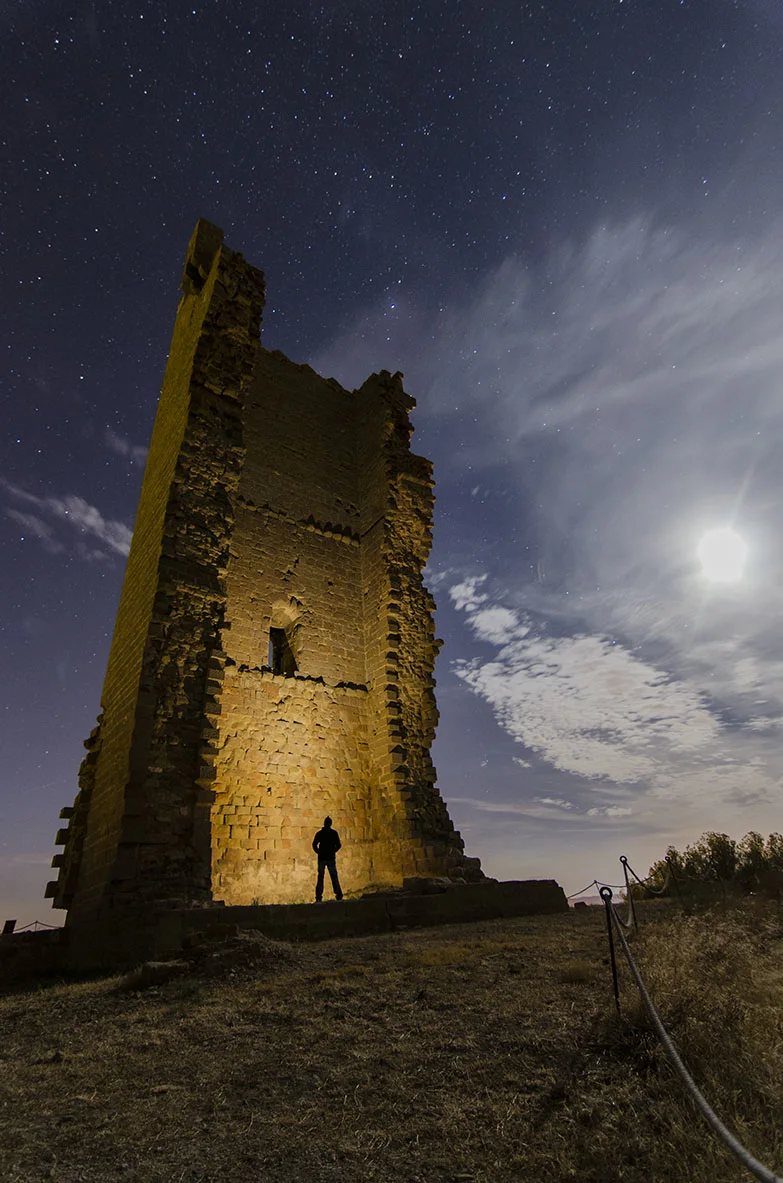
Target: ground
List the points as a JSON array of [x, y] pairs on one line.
[[486, 1052]]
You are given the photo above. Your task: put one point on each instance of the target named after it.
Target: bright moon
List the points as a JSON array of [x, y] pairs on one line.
[[722, 554]]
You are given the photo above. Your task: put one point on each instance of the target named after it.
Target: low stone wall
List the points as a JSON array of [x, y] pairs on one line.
[[26, 956], [384, 912], [157, 935]]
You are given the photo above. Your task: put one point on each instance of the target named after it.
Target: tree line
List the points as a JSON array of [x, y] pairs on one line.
[[751, 863]]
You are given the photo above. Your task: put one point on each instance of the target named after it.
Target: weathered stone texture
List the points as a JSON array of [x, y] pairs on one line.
[[275, 504]]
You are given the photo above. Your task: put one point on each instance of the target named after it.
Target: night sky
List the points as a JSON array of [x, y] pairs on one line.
[[564, 223]]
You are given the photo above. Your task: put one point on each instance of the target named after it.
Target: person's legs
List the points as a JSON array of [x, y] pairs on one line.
[[332, 865], [319, 886]]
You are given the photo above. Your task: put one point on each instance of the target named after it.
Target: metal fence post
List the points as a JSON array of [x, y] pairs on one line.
[[606, 895]]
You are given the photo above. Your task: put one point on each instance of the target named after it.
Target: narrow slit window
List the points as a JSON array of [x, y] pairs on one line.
[[281, 655]]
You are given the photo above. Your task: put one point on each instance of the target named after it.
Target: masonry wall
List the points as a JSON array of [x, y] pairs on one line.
[[332, 531], [291, 749], [396, 531]]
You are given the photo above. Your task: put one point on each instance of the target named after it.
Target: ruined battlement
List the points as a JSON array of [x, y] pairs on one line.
[[274, 648]]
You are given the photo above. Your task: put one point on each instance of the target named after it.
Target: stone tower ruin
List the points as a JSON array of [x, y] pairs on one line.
[[273, 653]]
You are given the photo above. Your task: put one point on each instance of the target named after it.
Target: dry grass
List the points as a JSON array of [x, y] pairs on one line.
[[486, 1053], [717, 980], [578, 971]]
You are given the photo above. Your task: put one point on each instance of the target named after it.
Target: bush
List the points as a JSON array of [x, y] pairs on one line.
[[752, 864]]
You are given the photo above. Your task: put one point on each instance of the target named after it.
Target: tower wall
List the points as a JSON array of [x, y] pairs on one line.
[[140, 824], [401, 647], [290, 749]]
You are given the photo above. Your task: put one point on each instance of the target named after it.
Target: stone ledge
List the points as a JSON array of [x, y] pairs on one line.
[[115, 942]]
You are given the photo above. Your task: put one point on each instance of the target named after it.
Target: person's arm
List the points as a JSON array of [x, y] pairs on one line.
[[315, 842], [337, 842]]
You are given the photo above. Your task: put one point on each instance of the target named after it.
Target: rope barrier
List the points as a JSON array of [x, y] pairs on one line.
[[645, 883], [574, 894], [595, 883], [750, 1163]]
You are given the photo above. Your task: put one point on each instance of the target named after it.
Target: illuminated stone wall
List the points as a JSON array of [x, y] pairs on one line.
[[275, 504]]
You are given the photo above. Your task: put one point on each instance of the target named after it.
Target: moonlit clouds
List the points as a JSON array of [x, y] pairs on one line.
[[587, 705], [634, 320]]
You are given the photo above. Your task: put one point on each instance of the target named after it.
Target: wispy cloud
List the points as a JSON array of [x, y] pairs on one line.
[[114, 537], [549, 809], [609, 811], [37, 527], [28, 859], [136, 453]]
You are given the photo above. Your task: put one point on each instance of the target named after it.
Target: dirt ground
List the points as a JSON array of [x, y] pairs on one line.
[[486, 1052]]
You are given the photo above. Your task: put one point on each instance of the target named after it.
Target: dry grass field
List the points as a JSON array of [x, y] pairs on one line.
[[485, 1053]]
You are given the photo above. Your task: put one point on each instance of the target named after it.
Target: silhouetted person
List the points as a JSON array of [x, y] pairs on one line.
[[326, 844]]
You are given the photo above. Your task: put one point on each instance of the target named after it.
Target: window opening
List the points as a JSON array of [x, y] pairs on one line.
[[281, 655]]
